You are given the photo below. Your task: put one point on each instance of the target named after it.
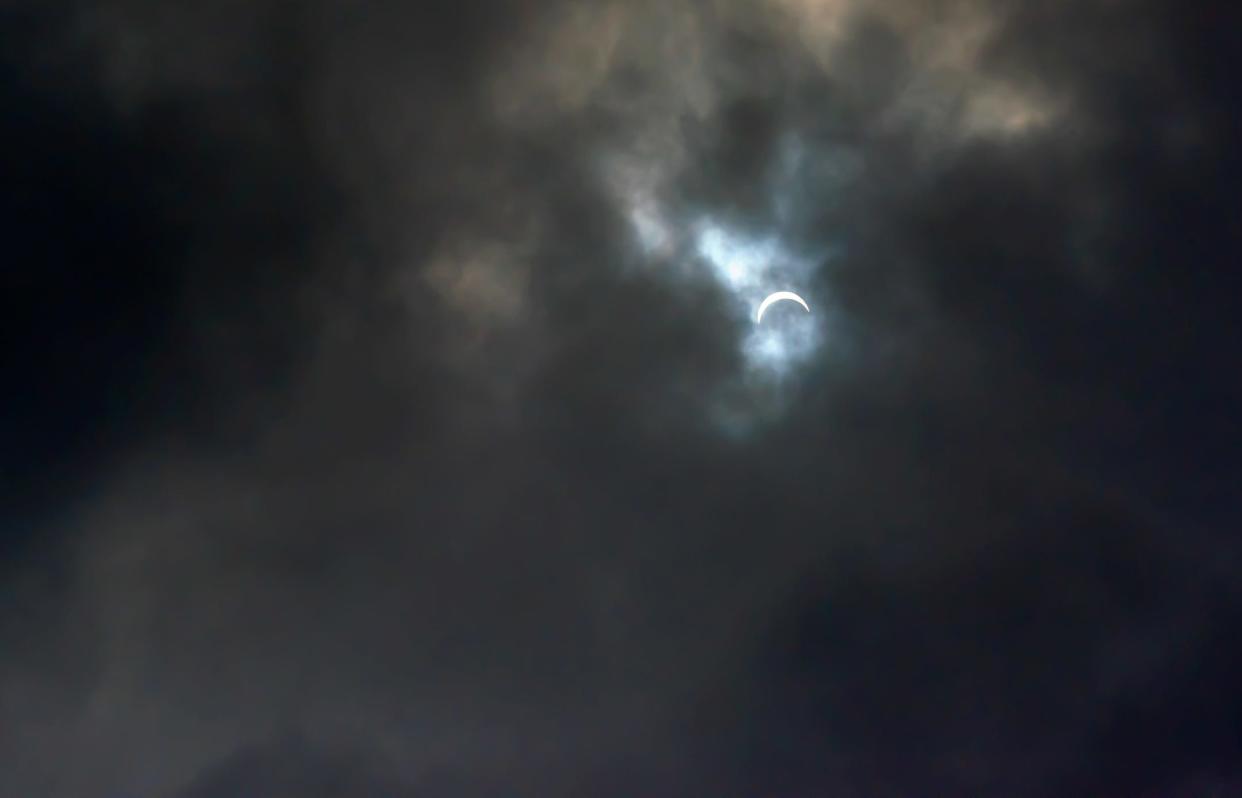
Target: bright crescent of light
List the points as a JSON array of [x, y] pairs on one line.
[[777, 297]]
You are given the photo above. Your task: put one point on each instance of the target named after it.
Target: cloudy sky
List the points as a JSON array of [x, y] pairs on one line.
[[384, 414]]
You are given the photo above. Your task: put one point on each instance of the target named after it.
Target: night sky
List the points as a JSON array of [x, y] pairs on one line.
[[384, 413]]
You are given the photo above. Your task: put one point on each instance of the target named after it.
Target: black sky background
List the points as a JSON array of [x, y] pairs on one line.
[[353, 444]]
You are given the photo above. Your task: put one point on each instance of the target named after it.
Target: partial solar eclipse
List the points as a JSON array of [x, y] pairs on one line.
[[777, 297]]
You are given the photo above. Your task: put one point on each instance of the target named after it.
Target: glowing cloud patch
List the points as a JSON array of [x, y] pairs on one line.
[[750, 268]]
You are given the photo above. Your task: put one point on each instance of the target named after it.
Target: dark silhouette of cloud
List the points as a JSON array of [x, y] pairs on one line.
[[385, 418]]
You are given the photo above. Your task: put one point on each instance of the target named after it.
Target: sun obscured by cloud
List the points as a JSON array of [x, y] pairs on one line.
[[391, 384]]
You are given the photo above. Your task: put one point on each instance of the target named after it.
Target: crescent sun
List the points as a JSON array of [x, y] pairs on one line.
[[777, 297]]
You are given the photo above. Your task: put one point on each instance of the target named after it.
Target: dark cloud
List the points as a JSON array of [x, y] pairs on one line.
[[385, 417]]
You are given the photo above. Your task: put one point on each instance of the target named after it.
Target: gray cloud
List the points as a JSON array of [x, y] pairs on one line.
[[443, 467]]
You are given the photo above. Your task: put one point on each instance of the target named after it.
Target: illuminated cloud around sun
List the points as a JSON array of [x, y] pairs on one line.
[[750, 269], [745, 261]]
